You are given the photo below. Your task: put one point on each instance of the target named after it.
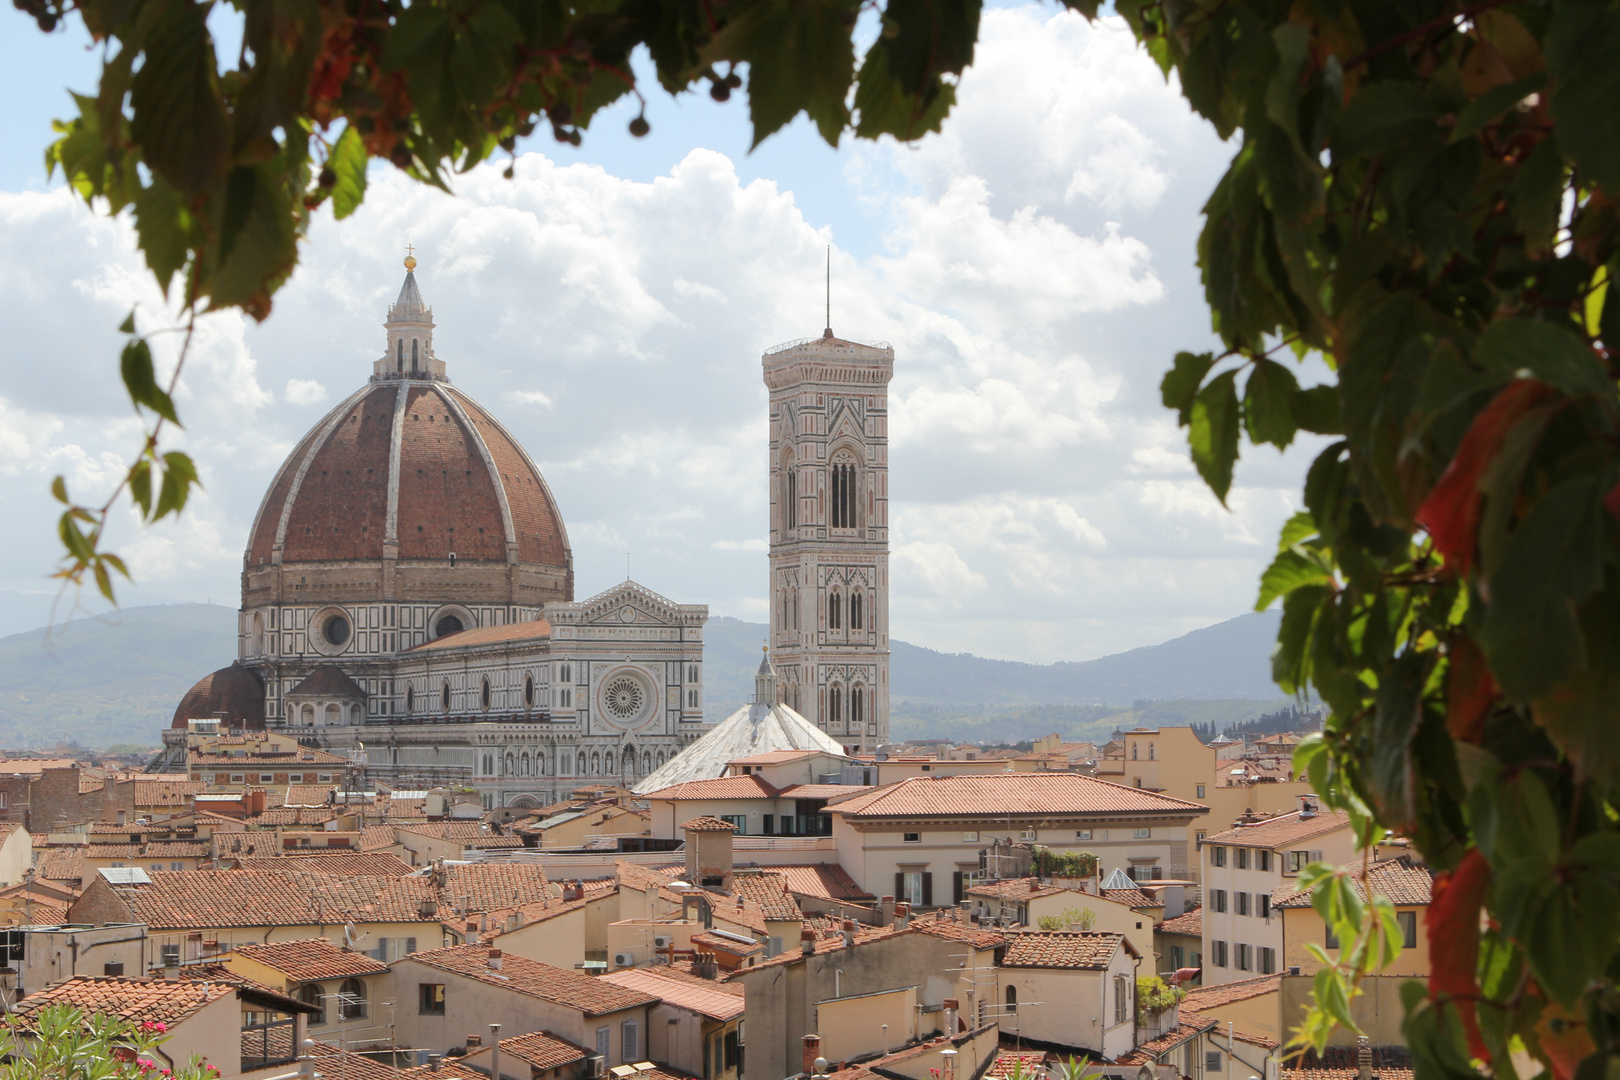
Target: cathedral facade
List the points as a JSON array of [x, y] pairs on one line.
[[407, 598], [829, 534]]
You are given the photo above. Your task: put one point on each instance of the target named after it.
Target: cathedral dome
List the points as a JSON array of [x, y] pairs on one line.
[[232, 695], [411, 469]]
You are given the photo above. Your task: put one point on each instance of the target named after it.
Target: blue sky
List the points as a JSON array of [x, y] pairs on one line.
[[1033, 265]]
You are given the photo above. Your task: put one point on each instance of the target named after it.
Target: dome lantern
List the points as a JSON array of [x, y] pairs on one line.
[[410, 335]]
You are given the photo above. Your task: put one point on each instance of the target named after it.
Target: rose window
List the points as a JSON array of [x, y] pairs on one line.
[[623, 698]]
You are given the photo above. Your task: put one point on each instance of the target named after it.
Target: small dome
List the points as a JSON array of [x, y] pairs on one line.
[[232, 695]]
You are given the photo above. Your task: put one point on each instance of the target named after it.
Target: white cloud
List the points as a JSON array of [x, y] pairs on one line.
[[1035, 276], [305, 392]]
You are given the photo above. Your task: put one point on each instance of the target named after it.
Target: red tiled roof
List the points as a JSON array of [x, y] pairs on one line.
[[768, 889], [488, 635], [310, 958], [723, 787], [1003, 795], [1209, 997], [1025, 888], [823, 791], [63, 864], [942, 926], [591, 996], [1134, 899], [707, 824], [1153, 1048], [543, 1050], [197, 759], [167, 792], [1061, 949], [1282, 830], [1188, 923], [1401, 881], [132, 999], [828, 881], [713, 1003], [1008, 1062], [726, 945], [347, 864], [333, 1063], [154, 849], [774, 757], [826, 943]]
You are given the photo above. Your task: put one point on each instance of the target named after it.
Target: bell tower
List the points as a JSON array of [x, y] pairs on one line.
[[829, 548]]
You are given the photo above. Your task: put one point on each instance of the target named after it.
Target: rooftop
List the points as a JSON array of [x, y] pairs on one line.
[[708, 1001], [591, 996], [1402, 881], [1282, 830], [1002, 795], [543, 1050], [1188, 923], [1090, 950], [311, 958]]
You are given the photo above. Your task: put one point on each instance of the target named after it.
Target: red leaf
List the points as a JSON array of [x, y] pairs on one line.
[[1450, 514], [1469, 691], [1453, 925]]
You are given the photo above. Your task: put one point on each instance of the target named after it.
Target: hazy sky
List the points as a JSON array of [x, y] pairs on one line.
[[1032, 265]]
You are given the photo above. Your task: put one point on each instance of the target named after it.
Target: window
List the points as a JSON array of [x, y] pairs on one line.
[[267, 778], [1265, 860], [325, 778], [236, 778], [790, 496], [528, 690], [1295, 861], [1407, 920], [604, 1041], [1178, 957], [739, 820], [410, 699], [483, 694], [1142, 834], [1082, 834], [1244, 954], [1268, 961], [1217, 856], [1151, 755], [1212, 1061], [1217, 951], [1330, 939], [832, 705], [629, 1041], [911, 888], [1134, 754], [563, 673], [1200, 790], [970, 838], [1262, 905], [352, 1000], [169, 954], [1240, 858], [565, 698], [691, 673], [310, 994], [1012, 1001], [1217, 899], [911, 838], [1027, 834], [1122, 998], [691, 699], [834, 602], [450, 624], [1240, 903], [444, 697], [843, 495], [856, 702], [177, 866], [854, 611], [430, 997]]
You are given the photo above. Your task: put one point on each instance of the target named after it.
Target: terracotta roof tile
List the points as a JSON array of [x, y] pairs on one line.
[[827, 943], [1061, 949], [768, 889], [1209, 997], [775, 757], [1402, 881], [728, 945], [63, 864], [167, 792], [333, 1063], [1024, 888], [1170, 1040], [347, 864], [707, 824], [1339, 1063], [590, 995], [1009, 794], [944, 927], [132, 999], [154, 849], [828, 881], [1135, 899], [1188, 923], [299, 761], [488, 635], [751, 786], [1282, 830], [707, 1001], [543, 1050], [310, 958]]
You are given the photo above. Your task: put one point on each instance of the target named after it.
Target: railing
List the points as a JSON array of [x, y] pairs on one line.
[[271, 1043], [796, 342]]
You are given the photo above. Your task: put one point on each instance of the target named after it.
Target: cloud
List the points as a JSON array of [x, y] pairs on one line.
[[1035, 274], [305, 392]]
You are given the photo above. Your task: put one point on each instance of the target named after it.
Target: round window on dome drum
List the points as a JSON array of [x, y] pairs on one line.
[[450, 624], [336, 630]]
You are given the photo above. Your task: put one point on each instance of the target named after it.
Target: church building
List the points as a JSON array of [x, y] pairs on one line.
[[408, 600]]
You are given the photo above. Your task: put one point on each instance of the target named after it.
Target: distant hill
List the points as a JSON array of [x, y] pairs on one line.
[[117, 678], [111, 679]]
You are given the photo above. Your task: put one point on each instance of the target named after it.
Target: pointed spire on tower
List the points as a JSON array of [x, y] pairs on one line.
[[410, 333], [765, 680]]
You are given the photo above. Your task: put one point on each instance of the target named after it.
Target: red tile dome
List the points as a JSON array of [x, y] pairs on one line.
[[232, 695]]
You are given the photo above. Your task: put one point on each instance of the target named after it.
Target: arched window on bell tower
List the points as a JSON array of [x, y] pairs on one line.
[[833, 706], [854, 611], [413, 354], [857, 701], [845, 488], [399, 355], [834, 603]]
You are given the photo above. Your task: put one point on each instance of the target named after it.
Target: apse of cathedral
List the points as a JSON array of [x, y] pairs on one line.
[[408, 591]]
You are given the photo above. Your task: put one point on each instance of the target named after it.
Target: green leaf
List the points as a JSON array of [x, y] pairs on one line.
[[1213, 432], [161, 223], [1551, 352], [59, 489], [800, 59], [348, 161], [886, 108], [1380, 116], [259, 243], [140, 380], [1316, 409], [179, 117], [1538, 194], [128, 325], [1180, 384], [1268, 399], [1301, 526], [1290, 570], [1493, 103], [1581, 45]]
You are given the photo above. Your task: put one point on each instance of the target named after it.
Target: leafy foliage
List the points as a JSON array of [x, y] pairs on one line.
[[1084, 918], [60, 1042], [1154, 995], [1047, 863]]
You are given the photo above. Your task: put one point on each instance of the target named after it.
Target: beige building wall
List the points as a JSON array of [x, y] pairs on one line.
[[559, 941], [16, 856], [1377, 1010], [1071, 1006], [1303, 926], [598, 821], [428, 935], [852, 1027], [637, 937]]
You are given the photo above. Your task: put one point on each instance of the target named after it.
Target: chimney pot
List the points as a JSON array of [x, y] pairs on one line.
[[494, 959], [474, 1040], [812, 1051]]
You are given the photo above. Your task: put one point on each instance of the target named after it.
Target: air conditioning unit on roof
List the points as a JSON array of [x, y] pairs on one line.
[[623, 959], [662, 941]]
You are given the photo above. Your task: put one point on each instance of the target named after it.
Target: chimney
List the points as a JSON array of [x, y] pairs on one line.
[[474, 1040], [812, 1051], [849, 933], [902, 915], [435, 1062], [950, 1017], [807, 941], [171, 972], [494, 959], [1363, 1057], [886, 911], [514, 921]]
